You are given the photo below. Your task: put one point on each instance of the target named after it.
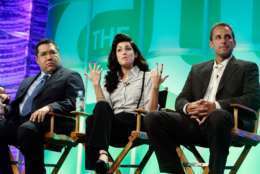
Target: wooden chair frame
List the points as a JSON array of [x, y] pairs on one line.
[[65, 141], [137, 134], [15, 164], [243, 138]]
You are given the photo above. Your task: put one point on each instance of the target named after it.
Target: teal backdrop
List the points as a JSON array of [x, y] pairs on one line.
[[172, 32]]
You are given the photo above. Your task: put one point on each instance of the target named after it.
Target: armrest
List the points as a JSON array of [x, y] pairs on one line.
[[77, 118], [138, 111], [83, 114], [74, 134], [141, 111], [246, 110], [167, 110], [52, 115]]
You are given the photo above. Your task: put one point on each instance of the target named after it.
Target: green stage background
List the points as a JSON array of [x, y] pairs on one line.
[[172, 32]]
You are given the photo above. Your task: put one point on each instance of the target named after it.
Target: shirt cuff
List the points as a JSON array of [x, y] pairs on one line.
[[50, 108], [184, 109], [217, 105]]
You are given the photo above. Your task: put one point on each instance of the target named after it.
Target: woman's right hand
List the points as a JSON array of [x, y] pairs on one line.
[[94, 74]]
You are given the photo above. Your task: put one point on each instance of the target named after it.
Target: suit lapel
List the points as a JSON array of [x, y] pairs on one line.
[[206, 74], [228, 73], [26, 86]]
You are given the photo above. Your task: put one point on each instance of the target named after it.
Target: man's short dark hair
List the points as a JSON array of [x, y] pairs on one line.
[[44, 41], [223, 25]]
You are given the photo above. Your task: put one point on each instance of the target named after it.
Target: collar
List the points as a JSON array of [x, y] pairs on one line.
[[132, 74], [222, 64], [44, 74]]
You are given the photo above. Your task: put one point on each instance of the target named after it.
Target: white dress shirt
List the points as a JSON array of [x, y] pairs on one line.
[[217, 72], [125, 97]]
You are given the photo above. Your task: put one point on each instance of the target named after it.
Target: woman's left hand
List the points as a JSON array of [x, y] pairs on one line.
[[156, 76]]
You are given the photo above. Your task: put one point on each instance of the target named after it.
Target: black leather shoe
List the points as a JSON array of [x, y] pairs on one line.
[[101, 167]]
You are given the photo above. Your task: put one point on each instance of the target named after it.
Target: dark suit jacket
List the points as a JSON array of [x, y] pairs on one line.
[[59, 92], [239, 84]]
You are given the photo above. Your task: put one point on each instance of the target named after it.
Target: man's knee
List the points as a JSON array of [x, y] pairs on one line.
[[221, 117], [151, 119], [27, 134], [28, 127], [155, 118]]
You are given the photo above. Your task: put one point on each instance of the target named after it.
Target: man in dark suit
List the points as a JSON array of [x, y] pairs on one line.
[[53, 89], [203, 114]]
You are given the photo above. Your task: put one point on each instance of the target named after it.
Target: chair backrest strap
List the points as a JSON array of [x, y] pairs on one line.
[[142, 90]]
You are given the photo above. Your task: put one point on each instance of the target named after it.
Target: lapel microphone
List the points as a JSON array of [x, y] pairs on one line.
[[126, 84]]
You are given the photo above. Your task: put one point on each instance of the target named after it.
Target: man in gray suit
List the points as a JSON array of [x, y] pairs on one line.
[[53, 89], [203, 114]]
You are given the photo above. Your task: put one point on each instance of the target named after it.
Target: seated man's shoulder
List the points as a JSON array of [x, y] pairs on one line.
[[245, 65], [28, 79], [67, 72], [202, 65], [245, 62]]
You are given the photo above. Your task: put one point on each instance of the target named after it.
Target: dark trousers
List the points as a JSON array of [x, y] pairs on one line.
[[167, 130], [104, 128], [28, 137]]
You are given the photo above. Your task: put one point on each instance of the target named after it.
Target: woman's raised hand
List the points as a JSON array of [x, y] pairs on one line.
[[94, 73], [156, 76]]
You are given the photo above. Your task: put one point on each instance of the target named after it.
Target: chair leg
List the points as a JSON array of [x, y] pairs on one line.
[[205, 170], [199, 158], [112, 161], [196, 153], [14, 166], [121, 156], [183, 159], [61, 160], [240, 159], [144, 160]]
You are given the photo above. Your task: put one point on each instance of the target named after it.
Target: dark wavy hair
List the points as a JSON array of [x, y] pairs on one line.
[[114, 72]]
